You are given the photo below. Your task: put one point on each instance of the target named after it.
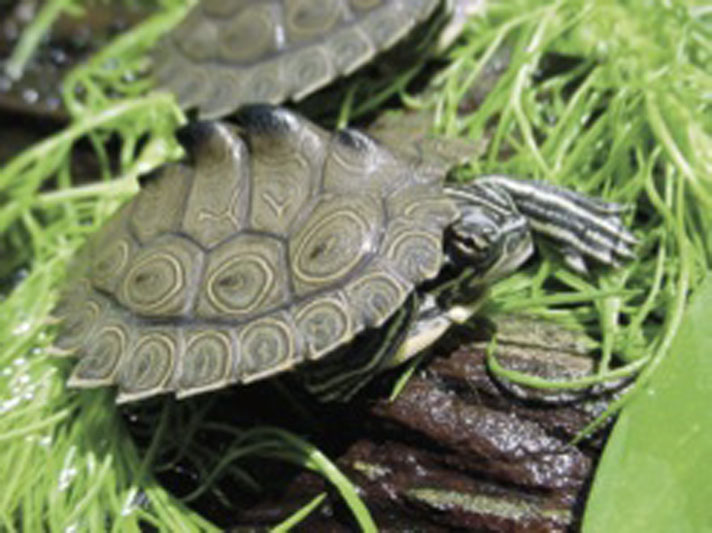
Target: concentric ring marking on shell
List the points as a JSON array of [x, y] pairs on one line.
[[149, 364], [77, 325], [264, 84], [110, 262], [415, 254], [325, 323], [196, 37], [332, 246], [206, 360], [350, 49], [249, 35], [152, 282], [308, 70], [266, 345], [241, 284], [375, 295], [307, 19], [101, 356]]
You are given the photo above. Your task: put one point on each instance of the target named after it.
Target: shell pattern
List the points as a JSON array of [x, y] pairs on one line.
[[273, 244], [228, 53]]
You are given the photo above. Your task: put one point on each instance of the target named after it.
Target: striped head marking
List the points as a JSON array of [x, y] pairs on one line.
[[491, 236]]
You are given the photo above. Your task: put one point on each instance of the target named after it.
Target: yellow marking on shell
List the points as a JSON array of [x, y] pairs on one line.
[[282, 185], [142, 301], [306, 20], [251, 34], [308, 71], [324, 333], [227, 213], [85, 318], [259, 35], [204, 383], [243, 276], [416, 254], [259, 287], [137, 376], [256, 365], [365, 4], [376, 295], [110, 263], [98, 349], [310, 268], [220, 192], [350, 49]]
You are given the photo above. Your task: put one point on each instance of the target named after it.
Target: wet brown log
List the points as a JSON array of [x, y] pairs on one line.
[[459, 450]]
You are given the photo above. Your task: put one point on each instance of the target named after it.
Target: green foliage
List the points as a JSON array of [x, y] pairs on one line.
[[609, 97], [653, 476]]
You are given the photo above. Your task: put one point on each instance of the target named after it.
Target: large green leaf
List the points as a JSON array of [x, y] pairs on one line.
[[656, 469]]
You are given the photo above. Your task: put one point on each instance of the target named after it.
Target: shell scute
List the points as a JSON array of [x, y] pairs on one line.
[[100, 356], [208, 361], [161, 279], [356, 162], [376, 293], [326, 323], [340, 234], [149, 362], [249, 35], [268, 346], [245, 276], [159, 208], [286, 168], [415, 253], [218, 200], [308, 20], [79, 315]]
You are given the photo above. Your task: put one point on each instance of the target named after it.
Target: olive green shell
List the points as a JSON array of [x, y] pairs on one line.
[[273, 244], [228, 53]]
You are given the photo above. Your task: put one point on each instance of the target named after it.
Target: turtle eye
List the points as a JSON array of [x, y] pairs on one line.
[[473, 245]]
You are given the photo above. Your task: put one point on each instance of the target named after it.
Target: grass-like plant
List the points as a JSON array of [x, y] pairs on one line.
[[609, 97]]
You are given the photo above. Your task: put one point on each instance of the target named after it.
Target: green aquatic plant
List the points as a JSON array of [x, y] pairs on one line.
[[609, 97]]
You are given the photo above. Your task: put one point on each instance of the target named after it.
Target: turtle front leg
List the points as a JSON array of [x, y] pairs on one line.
[[582, 227]]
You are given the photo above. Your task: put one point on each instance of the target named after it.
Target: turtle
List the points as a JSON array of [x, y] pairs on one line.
[[277, 245], [228, 53]]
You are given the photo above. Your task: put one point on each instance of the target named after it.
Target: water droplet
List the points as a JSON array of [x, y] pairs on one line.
[[30, 96], [9, 405], [65, 478]]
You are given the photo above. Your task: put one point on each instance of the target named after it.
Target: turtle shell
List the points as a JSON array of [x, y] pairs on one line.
[[228, 53], [274, 243]]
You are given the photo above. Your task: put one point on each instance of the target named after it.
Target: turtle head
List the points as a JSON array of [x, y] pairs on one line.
[[492, 238]]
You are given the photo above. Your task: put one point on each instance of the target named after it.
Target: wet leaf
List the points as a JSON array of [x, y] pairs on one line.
[[655, 473]]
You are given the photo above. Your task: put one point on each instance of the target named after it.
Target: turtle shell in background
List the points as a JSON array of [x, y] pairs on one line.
[[275, 243], [228, 53]]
